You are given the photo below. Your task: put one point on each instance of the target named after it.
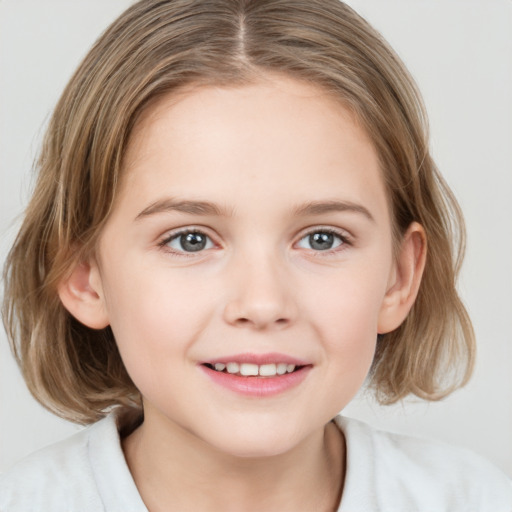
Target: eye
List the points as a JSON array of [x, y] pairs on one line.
[[321, 240], [188, 241]]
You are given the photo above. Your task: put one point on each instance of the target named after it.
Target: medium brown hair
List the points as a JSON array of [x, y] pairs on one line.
[[156, 47]]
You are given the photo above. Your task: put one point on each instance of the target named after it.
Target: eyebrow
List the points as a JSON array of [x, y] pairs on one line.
[[321, 207], [203, 208], [207, 208]]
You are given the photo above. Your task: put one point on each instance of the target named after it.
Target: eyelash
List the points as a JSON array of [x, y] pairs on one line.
[[164, 244], [345, 241]]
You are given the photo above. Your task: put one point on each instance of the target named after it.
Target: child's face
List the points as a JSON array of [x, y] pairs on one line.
[[291, 261]]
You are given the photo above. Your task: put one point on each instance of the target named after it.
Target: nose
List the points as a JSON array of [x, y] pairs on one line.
[[260, 295]]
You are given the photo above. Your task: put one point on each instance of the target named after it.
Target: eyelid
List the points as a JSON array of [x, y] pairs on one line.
[[344, 235], [173, 234]]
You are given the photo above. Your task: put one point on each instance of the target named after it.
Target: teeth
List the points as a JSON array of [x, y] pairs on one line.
[[252, 370], [233, 367], [281, 368], [267, 370], [248, 369]]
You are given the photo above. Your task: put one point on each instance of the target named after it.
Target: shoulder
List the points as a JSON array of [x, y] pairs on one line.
[[58, 477], [47, 476], [82, 473], [401, 473]]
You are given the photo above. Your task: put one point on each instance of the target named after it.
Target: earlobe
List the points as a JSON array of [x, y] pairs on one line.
[[82, 295], [403, 291]]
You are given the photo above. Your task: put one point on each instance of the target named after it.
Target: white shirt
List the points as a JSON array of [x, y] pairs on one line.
[[385, 473]]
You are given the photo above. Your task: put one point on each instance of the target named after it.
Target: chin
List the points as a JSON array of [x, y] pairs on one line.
[[255, 442], [256, 450]]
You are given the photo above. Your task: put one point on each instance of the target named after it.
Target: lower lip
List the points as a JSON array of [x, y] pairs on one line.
[[258, 386]]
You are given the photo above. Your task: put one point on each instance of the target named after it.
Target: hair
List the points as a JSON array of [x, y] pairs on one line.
[[160, 46]]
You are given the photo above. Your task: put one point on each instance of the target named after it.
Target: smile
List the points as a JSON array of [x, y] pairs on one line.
[[254, 370], [257, 376]]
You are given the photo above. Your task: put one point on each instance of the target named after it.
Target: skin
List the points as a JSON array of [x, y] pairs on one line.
[[258, 153]]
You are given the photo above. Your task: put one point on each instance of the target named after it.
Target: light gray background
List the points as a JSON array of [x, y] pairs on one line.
[[460, 52]]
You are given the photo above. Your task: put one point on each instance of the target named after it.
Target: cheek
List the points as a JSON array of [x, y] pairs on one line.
[[155, 316], [347, 303], [350, 334], [345, 310]]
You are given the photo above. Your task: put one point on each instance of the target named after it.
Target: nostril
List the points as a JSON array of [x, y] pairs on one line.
[[243, 321]]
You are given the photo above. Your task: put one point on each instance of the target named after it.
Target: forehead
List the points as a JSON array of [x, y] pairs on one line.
[[278, 137], [267, 102]]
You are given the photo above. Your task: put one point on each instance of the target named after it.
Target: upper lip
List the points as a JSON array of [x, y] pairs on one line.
[[258, 359]]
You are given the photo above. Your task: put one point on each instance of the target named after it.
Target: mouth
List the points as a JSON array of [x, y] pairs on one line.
[[257, 375], [254, 370]]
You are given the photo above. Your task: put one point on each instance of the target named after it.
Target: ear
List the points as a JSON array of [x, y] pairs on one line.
[[82, 295], [406, 279]]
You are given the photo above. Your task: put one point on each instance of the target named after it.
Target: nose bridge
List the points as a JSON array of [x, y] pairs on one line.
[[260, 290]]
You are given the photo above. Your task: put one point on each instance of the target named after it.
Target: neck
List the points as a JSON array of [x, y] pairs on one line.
[[173, 470]]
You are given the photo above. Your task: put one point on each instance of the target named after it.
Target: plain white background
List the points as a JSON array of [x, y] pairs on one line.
[[459, 51]]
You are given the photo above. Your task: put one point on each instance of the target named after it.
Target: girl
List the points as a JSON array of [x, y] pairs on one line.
[[236, 221]]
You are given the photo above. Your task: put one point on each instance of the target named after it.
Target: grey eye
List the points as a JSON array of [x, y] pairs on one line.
[[193, 241], [321, 241]]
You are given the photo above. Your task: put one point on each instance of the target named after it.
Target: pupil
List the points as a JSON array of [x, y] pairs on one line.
[[193, 242], [321, 241]]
